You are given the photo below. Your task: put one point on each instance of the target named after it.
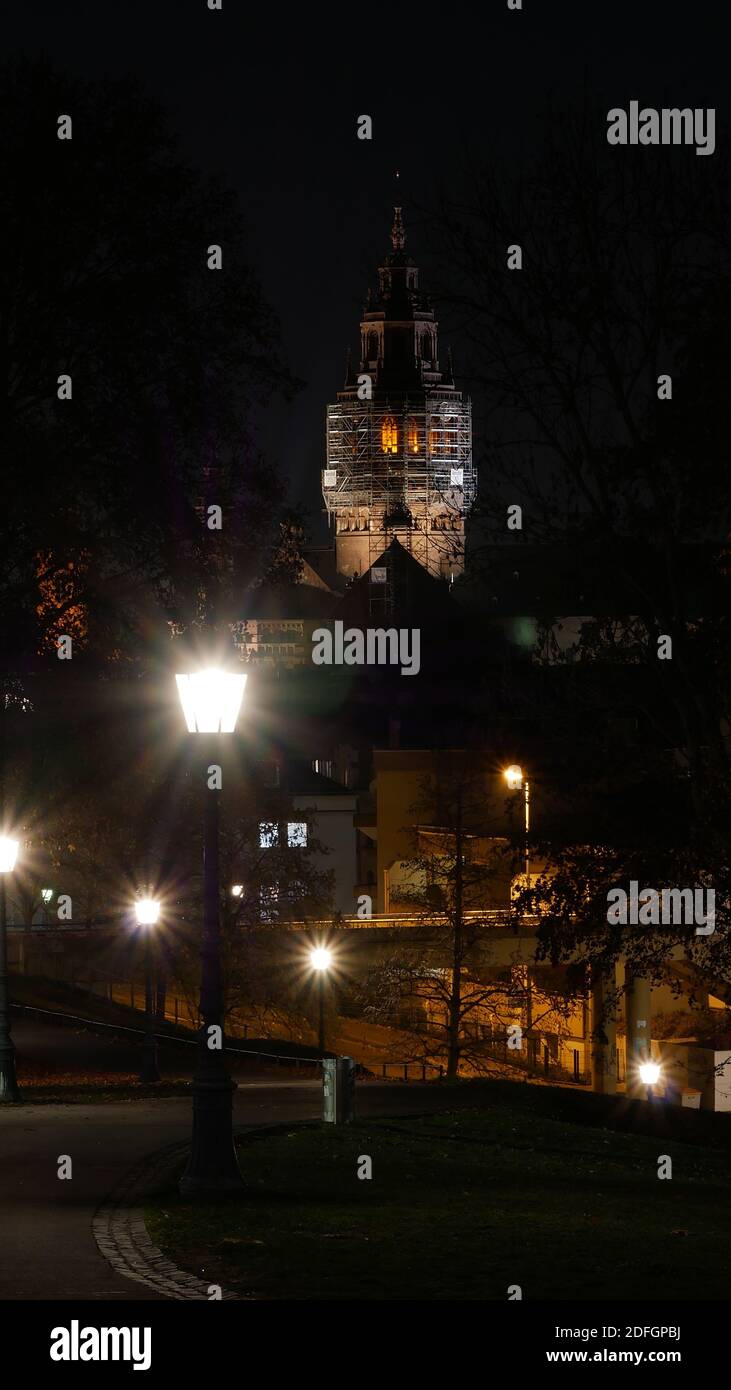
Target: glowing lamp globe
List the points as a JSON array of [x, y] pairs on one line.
[[8, 853], [148, 911], [237, 890], [649, 1073], [211, 700], [320, 958], [514, 777]]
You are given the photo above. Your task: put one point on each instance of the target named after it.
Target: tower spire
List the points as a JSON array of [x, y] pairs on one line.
[[398, 232]]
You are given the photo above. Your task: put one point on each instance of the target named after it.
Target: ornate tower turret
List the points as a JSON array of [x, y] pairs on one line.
[[399, 439]]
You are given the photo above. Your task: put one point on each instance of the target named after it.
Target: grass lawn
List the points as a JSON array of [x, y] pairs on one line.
[[461, 1205]]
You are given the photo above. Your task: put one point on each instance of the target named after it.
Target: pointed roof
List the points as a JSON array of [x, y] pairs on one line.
[[413, 592]]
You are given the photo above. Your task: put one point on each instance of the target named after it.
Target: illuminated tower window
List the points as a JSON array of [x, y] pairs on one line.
[[389, 437], [413, 437]]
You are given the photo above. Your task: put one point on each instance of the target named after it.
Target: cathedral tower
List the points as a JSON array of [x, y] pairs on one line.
[[399, 439]]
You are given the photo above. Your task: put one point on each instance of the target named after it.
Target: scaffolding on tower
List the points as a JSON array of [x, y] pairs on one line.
[[400, 467]]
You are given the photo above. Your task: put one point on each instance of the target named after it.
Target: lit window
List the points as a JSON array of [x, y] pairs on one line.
[[389, 436], [268, 900], [297, 834], [413, 437], [268, 834]]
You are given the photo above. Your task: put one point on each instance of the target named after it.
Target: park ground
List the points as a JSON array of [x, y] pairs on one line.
[[464, 1204]]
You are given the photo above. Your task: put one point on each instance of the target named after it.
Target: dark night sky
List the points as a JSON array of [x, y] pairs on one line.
[[269, 98]]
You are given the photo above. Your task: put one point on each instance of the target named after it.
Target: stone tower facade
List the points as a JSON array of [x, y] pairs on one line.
[[399, 438]]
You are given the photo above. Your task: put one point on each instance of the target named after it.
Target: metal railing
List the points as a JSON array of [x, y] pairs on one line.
[[407, 1070], [57, 1016]]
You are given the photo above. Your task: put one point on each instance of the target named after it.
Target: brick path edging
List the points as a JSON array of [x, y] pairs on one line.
[[121, 1234]]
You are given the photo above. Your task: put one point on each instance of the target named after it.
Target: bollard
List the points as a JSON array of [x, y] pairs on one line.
[[338, 1090]]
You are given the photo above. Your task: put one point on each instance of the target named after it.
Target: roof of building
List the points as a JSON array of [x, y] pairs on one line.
[[280, 603], [410, 591]]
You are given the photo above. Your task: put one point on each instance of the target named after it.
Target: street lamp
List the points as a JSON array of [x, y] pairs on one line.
[[148, 912], [237, 890], [649, 1075], [321, 959], [514, 777], [211, 701], [9, 1091]]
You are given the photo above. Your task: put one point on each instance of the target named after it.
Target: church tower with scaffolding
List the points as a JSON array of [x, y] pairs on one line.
[[399, 438]]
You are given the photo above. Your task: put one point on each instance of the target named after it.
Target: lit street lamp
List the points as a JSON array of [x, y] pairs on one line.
[[148, 912], [321, 959], [649, 1075], [211, 701], [9, 1091], [514, 777]]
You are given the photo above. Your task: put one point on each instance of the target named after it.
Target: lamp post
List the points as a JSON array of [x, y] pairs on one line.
[[514, 777], [211, 701], [9, 1091], [321, 960], [148, 912]]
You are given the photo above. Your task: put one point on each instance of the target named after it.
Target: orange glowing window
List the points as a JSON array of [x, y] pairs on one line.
[[389, 437], [413, 437]]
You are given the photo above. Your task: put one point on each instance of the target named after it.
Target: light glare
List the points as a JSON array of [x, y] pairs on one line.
[[320, 958], [148, 911], [649, 1073], [514, 777], [8, 853]]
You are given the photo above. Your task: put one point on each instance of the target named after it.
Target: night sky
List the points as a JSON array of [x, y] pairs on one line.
[[269, 99]]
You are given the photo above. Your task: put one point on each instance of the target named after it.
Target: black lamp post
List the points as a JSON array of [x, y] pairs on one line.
[[211, 701], [321, 960], [9, 1090], [148, 912]]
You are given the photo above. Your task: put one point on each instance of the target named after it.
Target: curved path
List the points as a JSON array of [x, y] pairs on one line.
[[47, 1245]]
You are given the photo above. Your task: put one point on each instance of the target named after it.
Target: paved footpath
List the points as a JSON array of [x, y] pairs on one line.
[[47, 1246]]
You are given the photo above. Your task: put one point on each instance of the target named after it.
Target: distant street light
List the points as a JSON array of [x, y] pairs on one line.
[[9, 1090], [514, 777], [148, 912], [321, 960], [211, 701], [237, 890]]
